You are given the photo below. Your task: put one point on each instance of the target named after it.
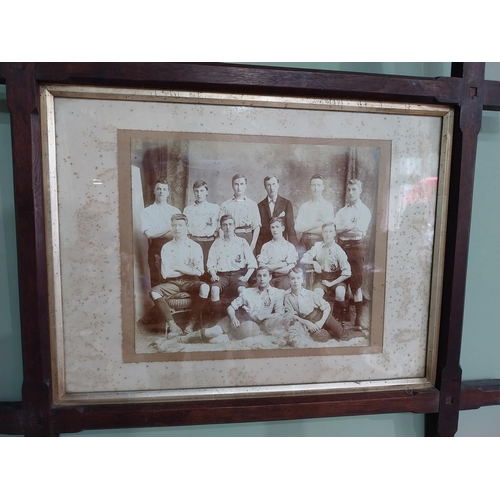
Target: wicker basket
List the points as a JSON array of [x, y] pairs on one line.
[[180, 301]]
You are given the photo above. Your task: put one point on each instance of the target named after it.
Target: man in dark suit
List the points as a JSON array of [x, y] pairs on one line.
[[275, 205]]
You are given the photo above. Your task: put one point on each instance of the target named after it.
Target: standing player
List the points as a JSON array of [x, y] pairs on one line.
[[275, 205], [203, 218], [244, 212], [313, 214], [156, 226], [351, 224]]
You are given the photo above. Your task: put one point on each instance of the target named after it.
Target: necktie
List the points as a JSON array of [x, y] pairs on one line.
[[271, 207]]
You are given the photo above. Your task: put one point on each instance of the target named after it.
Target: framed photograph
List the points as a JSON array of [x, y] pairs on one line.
[[222, 246]]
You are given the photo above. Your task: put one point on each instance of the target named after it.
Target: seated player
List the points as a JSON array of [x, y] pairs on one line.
[[247, 313], [279, 255], [331, 269], [230, 264], [311, 310], [181, 267]]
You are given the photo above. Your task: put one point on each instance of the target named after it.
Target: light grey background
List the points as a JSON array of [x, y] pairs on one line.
[[481, 339]]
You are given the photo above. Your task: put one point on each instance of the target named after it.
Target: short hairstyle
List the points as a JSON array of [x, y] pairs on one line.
[[238, 176], [269, 177], [199, 184], [263, 268], [296, 270], [179, 217], [317, 176], [355, 182], [161, 180], [277, 219], [326, 224], [225, 217]]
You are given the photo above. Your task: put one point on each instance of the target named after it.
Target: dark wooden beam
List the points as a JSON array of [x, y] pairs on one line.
[[466, 129], [11, 418], [441, 89], [474, 394], [23, 103], [492, 95], [75, 419], [478, 393], [254, 79], [78, 418]]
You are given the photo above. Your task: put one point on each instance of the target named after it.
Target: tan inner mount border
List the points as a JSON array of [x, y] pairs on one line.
[[126, 243]]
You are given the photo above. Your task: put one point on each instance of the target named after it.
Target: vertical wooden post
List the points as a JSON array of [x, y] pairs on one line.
[[466, 128], [23, 103]]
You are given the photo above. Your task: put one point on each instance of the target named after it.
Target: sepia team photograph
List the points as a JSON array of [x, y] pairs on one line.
[[253, 246]]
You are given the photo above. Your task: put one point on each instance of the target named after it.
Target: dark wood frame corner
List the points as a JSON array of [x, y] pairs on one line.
[[465, 89]]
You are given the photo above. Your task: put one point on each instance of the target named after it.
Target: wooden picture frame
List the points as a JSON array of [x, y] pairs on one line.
[[97, 145], [39, 414]]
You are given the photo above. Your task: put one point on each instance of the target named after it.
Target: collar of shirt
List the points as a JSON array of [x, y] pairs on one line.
[[234, 198], [185, 241], [329, 247], [270, 200], [280, 241], [163, 206], [355, 204], [320, 201], [300, 294]]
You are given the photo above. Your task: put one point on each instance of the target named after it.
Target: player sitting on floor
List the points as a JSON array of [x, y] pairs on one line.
[[311, 310], [254, 305]]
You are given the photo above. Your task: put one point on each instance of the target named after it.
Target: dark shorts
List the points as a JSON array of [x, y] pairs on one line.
[[173, 286], [332, 326], [355, 256], [318, 278], [229, 283]]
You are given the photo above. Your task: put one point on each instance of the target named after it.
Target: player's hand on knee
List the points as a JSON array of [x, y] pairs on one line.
[[312, 327]]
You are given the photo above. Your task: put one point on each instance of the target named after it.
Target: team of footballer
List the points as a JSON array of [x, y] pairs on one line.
[[214, 252]]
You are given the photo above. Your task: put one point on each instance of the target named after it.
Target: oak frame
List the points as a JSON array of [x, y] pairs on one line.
[[465, 90]]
